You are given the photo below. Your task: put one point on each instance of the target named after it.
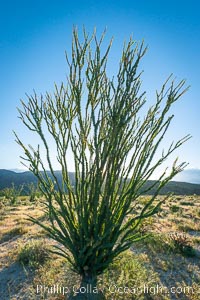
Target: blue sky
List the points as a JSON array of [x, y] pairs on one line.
[[35, 34]]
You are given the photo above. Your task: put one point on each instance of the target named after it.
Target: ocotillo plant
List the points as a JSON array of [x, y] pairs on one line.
[[95, 121], [12, 193]]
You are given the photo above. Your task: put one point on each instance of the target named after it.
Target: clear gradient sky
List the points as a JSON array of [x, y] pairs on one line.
[[35, 34]]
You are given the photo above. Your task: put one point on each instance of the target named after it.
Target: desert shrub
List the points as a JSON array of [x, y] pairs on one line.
[[33, 192], [157, 242], [174, 208], [182, 243], [146, 225], [144, 200], [34, 253], [12, 193], [2, 201]]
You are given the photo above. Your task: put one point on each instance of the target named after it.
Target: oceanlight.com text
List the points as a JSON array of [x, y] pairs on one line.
[[153, 290]]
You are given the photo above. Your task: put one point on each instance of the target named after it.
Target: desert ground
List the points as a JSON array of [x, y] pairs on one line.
[[165, 265]]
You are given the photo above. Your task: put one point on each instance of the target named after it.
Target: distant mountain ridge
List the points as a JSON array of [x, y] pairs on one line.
[[189, 175], [8, 177]]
